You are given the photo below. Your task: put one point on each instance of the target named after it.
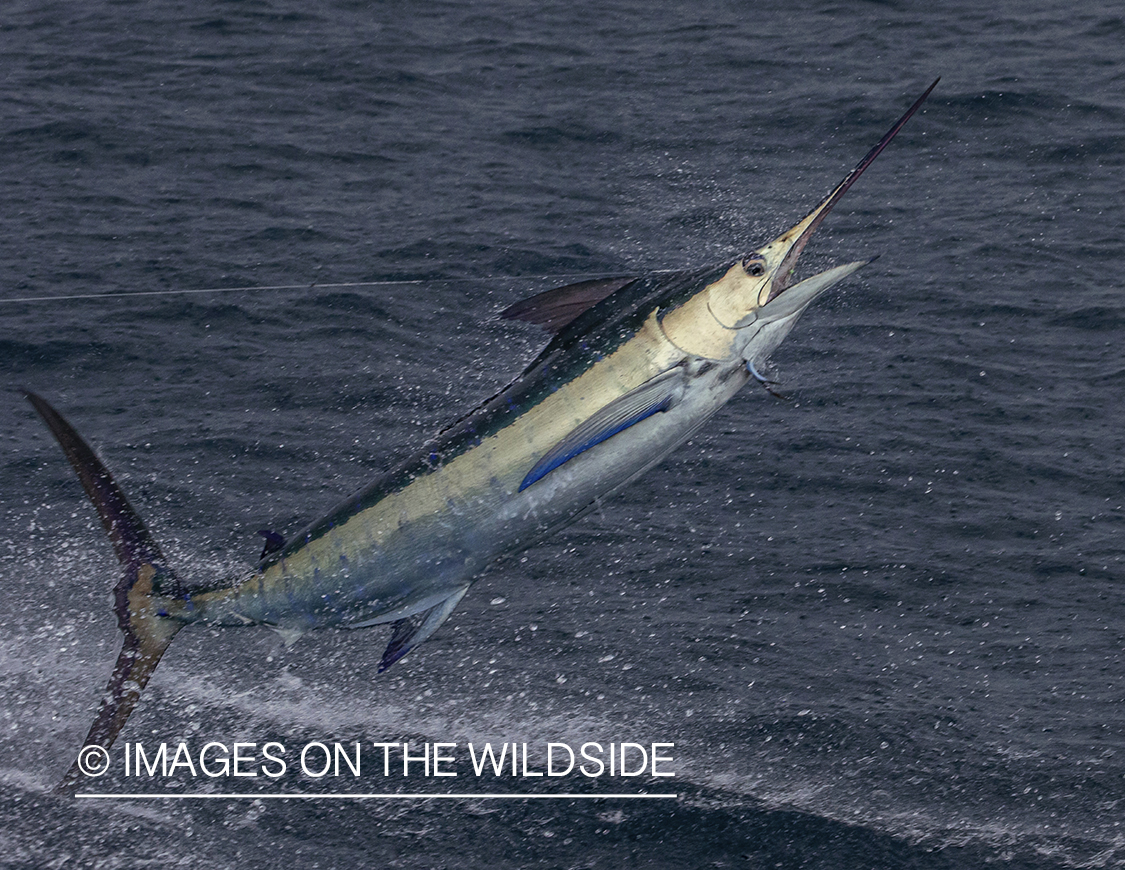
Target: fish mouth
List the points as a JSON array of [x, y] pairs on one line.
[[790, 304], [790, 244]]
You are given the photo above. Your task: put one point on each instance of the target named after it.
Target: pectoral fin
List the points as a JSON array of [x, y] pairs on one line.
[[651, 397], [412, 630]]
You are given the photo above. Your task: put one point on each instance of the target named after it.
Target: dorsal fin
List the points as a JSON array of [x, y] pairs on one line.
[[554, 309]]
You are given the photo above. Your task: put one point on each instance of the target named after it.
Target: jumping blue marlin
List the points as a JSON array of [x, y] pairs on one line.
[[636, 365]]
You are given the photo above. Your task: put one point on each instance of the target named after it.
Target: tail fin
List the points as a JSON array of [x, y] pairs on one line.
[[145, 580]]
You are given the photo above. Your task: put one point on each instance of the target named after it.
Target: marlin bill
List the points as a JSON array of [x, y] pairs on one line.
[[635, 366]]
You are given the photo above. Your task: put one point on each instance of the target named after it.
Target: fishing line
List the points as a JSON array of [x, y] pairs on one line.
[[314, 286], [123, 293]]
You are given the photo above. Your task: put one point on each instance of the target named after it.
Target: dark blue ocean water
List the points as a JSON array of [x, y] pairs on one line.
[[882, 621]]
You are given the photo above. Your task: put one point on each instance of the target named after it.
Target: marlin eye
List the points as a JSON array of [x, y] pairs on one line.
[[754, 266]]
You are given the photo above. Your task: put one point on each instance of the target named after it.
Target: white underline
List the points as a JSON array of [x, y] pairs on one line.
[[374, 796]]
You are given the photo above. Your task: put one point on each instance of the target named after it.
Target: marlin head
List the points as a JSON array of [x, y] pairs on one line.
[[749, 310]]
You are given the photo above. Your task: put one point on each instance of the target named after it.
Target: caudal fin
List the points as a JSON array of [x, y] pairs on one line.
[[140, 596]]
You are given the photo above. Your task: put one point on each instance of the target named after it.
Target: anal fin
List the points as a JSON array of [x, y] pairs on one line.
[[288, 634], [412, 630]]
